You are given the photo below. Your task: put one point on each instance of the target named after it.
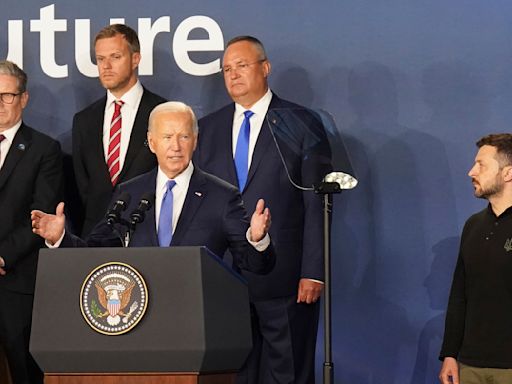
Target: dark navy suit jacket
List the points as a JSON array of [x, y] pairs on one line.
[[31, 178], [297, 226], [213, 216]]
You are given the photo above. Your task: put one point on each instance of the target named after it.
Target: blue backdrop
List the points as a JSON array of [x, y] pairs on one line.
[[411, 84]]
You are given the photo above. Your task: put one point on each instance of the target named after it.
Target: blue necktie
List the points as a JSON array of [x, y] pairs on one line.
[[165, 220], [242, 151]]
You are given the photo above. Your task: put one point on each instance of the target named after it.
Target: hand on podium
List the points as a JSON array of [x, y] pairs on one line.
[[49, 227], [260, 221]]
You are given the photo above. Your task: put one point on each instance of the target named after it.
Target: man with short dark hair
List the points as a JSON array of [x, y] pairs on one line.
[[236, 144], [30, 178], [109, 136], [477, 345]]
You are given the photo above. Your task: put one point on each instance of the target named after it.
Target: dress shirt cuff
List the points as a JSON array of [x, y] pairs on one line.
[[57, 243], [261, 245], [315, 280]]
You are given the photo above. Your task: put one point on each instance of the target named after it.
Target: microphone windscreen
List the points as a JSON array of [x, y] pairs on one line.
[[149, 197], [125, 198]]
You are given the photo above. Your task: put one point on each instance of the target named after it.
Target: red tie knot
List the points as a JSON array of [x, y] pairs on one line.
[[117, 105]]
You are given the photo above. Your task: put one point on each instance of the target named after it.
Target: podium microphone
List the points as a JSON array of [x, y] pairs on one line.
[[145, 203], [114, 214]]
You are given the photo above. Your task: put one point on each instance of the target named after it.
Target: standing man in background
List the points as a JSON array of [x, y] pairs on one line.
[[109, 136], [477, 345], [30, 178], [284, 303]]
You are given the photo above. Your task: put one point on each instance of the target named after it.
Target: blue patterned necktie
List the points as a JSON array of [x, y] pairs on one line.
[[242, 151], [165, 220]]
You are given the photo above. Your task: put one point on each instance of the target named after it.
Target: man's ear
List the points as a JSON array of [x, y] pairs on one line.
[[150, 142], [507, 173], [135, 60], [267, 68], [24, 99]]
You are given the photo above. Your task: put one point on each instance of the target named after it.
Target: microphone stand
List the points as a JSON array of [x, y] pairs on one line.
[[126, 240], [327, 189], [128, 235], [333, 182], [136, 217]]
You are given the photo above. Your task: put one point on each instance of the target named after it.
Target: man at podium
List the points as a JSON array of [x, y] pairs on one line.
[[175, 204]]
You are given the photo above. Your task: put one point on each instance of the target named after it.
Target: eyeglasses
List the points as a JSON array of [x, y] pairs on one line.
[[240, 67], [8, 98]]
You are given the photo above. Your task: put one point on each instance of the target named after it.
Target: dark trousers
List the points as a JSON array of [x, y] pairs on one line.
[[15, 320], [284, 340]]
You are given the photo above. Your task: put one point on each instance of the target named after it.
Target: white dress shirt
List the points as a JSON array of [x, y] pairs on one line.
[[131, 100], [260, 109], [5, 145], [179, 192]]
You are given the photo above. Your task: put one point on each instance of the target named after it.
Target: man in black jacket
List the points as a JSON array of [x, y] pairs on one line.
[[109, 136], [477, 345], [30, 178]]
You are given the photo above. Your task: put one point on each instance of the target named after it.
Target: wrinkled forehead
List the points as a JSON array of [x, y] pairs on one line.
[[8, 83], [166, 121]]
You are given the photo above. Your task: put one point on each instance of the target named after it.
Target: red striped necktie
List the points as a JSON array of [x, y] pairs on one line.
[[114, 143]]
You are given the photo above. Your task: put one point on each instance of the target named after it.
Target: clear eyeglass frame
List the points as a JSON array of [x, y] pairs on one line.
[[240, 67]]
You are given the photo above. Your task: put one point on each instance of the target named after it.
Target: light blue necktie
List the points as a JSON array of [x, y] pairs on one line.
[[242, 151], [165, 220]]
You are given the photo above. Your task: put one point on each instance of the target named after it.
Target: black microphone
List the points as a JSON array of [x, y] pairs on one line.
[[114, 214], [145, 203]]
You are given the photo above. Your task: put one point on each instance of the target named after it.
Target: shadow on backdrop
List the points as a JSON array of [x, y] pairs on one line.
[[459, 101], [391, 223], [437, 283]]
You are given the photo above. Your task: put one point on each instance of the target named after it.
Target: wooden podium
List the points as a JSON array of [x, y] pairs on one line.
[[196, 328], [146, 378]]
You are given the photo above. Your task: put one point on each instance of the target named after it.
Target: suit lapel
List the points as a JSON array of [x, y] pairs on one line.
[[195, 196], [138, 135], [226, 143], [260, 150], [96, 137], [19, 147], [263, 143]]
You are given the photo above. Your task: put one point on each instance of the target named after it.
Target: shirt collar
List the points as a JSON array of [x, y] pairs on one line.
[[507, 212], [9, 133], [130, 98], [259, 108], [182, 179]]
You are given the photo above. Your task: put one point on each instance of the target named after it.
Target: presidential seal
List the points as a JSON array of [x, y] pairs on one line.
[[113, 298]]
